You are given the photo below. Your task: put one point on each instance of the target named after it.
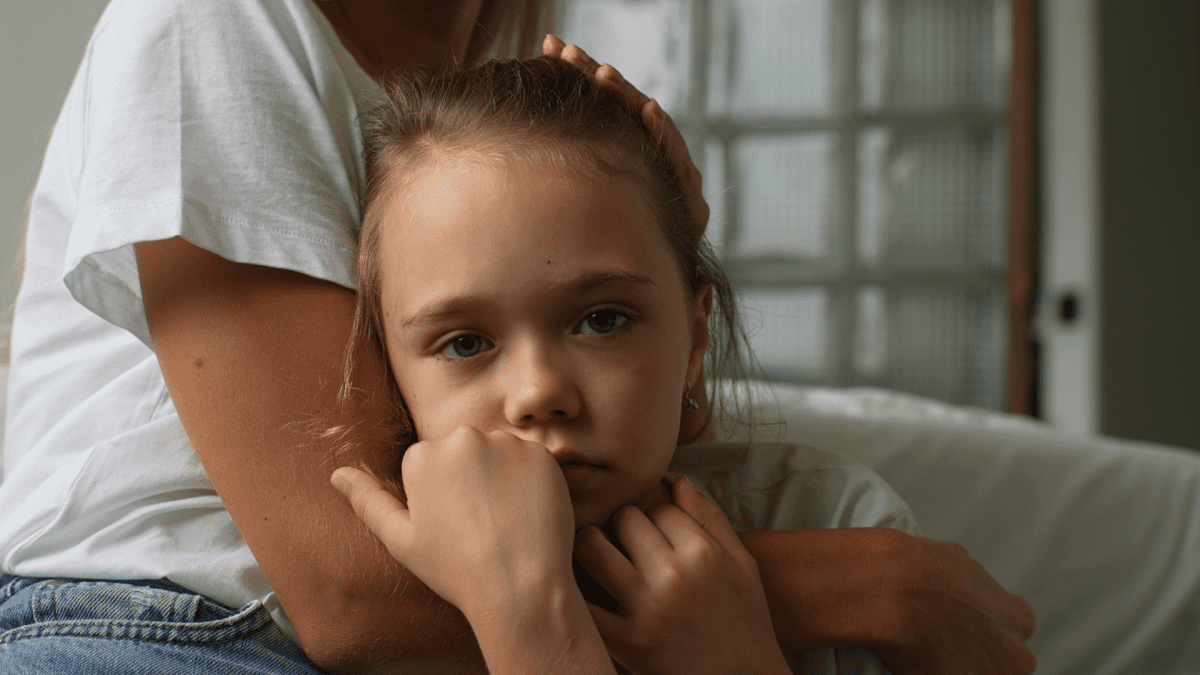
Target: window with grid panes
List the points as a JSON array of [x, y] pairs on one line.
[[854, 156]]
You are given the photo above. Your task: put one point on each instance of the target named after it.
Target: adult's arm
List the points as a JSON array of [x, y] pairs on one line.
[[252, 357], [922, 606]]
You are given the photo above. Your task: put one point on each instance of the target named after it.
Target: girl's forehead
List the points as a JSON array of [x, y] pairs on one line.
[[467, 221], [511, 191]]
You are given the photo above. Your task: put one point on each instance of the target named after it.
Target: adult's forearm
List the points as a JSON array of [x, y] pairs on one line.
[[823, 586], [923, 606], [252, 358]]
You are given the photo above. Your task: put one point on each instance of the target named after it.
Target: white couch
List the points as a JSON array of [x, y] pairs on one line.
[[1100, 536]]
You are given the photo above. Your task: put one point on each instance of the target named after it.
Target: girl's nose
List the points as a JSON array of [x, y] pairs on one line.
[[539, 388]]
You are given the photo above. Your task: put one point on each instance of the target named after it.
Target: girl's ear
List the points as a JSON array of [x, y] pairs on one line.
[[700, 313]]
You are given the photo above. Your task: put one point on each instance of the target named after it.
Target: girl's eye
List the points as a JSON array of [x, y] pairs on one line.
[[602, 322], [465, 346]]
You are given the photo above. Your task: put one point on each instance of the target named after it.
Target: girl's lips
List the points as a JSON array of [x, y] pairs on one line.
[[568, 457], [582, 478]]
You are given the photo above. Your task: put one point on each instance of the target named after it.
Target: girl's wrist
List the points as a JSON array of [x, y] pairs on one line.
[[541, 630]]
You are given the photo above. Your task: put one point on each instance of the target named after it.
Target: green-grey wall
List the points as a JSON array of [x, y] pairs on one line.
[[1150, 222]]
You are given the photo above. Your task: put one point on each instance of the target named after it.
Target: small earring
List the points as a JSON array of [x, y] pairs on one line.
[[690, 402]]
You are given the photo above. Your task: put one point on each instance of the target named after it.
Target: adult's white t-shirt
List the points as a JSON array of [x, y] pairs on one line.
[[231, 123]]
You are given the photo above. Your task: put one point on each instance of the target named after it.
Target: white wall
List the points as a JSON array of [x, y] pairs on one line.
[[1069, 92]]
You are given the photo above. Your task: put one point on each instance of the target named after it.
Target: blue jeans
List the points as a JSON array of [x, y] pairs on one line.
[[78, 627]]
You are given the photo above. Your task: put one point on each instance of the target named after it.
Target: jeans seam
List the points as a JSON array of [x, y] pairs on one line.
[[162, 632]]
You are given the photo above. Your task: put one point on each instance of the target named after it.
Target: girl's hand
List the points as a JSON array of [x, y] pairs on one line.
[[656, 120], [488, 523], [693, 602]]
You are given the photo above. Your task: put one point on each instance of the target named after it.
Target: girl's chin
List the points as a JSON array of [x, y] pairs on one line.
[[659, 493]]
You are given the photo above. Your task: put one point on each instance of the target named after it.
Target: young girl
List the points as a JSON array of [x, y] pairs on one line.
[[545, 306]]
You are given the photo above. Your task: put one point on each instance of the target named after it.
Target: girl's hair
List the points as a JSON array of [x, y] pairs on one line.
[[543, 112]]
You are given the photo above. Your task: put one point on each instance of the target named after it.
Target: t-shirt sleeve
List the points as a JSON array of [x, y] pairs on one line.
[[774, 486], [227, 122]]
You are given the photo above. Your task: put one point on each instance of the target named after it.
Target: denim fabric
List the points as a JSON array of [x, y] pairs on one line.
[[75, 626]]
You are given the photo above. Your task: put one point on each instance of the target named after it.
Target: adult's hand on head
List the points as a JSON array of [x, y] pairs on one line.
[[653, 116], [923, 606]]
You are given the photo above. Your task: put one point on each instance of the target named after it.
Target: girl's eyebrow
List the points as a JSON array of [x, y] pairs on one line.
[[440, 310], [593, 279]]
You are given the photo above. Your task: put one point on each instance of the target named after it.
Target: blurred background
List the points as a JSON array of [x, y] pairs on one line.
[[995, 203]]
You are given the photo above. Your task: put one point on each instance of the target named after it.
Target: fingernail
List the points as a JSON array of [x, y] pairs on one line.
[[616, 74], [657, 110], [688, 481], [340, 483]]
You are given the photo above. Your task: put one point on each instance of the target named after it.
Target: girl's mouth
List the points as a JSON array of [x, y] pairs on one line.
[[579, 463], [566, 458]]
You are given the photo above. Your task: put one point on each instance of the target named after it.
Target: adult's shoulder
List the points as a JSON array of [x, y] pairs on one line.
[[230, 123], [243, 36]]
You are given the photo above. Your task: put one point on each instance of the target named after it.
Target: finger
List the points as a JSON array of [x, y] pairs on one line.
[[379, 510], [552, 46], [704, 512], [676, 526], [606, 566], [573, 53], [642, 540], [663, 128], [610, 79]]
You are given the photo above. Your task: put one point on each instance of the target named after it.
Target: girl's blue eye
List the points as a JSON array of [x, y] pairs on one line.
[[602, 322], [465, 346]]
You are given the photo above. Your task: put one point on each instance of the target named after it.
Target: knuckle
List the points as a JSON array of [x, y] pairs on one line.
[[701, 553], [673, 574]]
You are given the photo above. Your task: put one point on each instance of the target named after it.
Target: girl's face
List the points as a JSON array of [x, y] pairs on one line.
[[546, 304]]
